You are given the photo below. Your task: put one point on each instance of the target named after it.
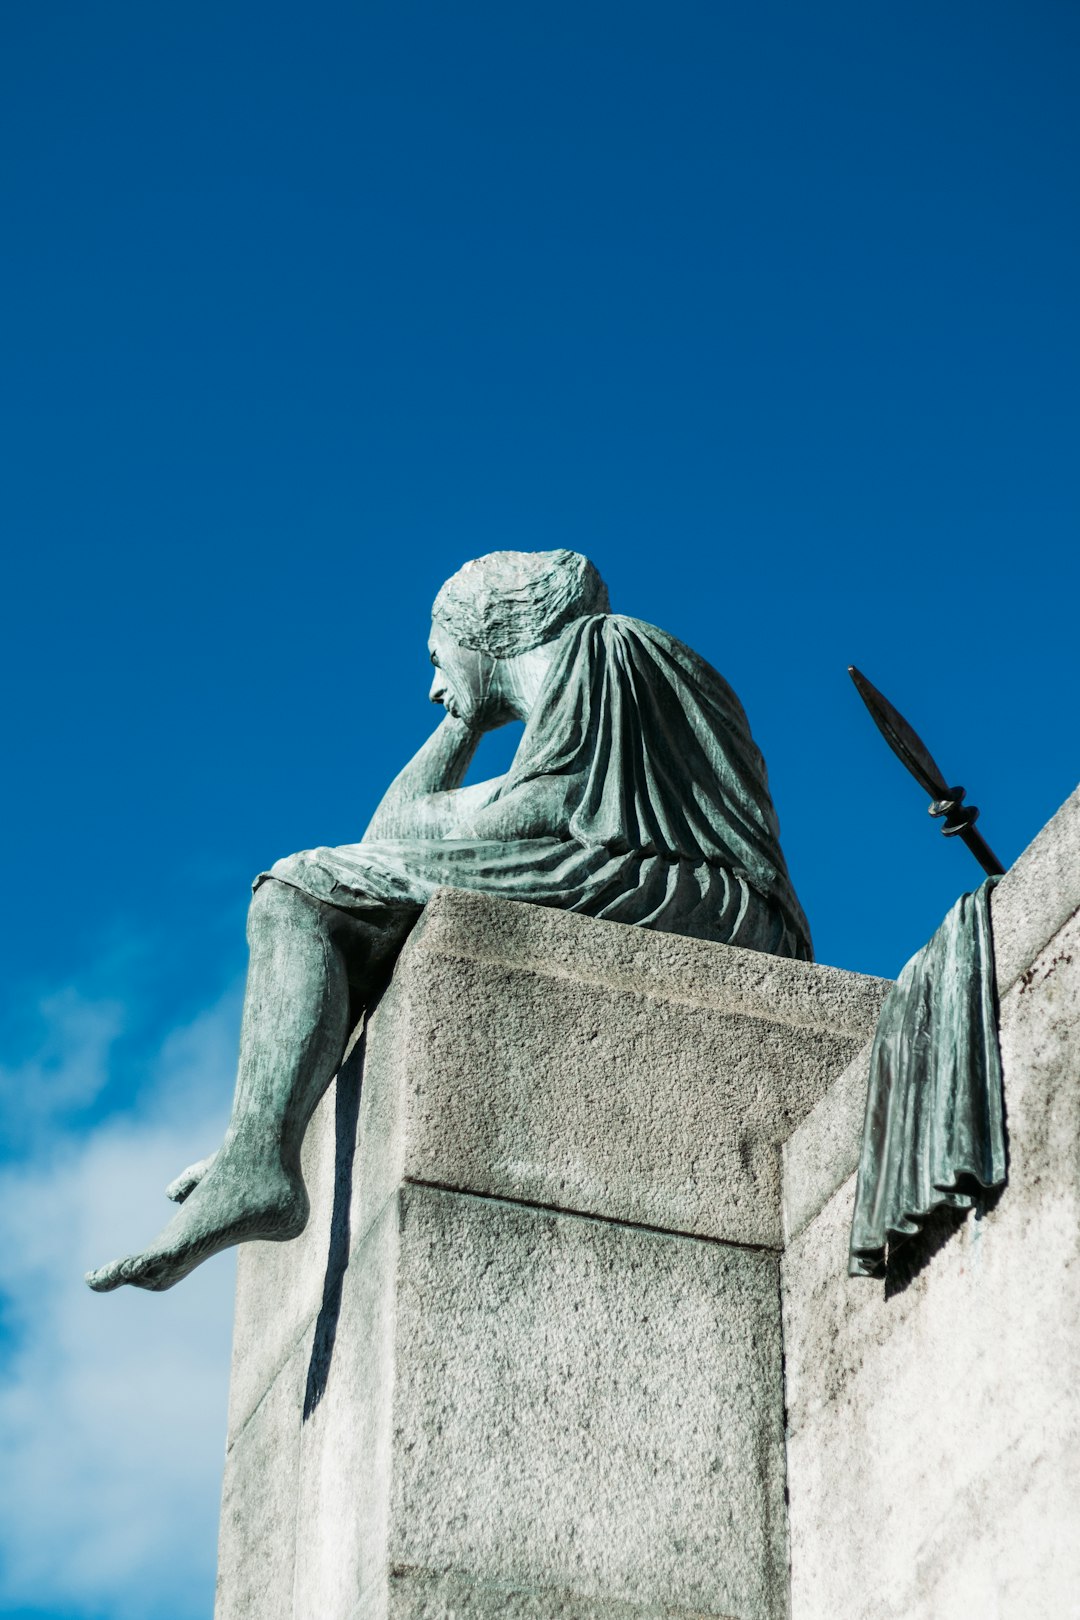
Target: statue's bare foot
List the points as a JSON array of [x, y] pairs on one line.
[[234, 1202], [186, 1182]]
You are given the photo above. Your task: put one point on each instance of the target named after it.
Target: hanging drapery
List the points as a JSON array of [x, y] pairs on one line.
[[934, 1131]]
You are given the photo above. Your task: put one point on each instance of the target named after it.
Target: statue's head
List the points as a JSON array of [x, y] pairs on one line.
[[512, 601], [496, 610]]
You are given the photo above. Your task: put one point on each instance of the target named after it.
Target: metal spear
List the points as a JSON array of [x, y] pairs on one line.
[[910, 749]]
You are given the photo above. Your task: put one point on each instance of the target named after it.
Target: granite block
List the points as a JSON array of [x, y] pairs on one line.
[[587, 1408], [543, 1057]]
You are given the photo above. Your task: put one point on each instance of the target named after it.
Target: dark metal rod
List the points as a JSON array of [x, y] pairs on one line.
[[981, 851], [914, 755]]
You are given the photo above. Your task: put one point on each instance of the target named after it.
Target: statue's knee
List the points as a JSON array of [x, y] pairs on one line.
[[276, 902]]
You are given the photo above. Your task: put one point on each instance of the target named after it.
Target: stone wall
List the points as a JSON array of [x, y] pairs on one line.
[[934, 1424]]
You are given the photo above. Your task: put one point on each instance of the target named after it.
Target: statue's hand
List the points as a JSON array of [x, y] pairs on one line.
[[453, 730], [415, 803]]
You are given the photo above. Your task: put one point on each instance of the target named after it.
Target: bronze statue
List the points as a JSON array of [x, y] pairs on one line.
[[636, 795]]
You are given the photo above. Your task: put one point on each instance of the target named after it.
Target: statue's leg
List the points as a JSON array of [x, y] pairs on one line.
[[311, 969]]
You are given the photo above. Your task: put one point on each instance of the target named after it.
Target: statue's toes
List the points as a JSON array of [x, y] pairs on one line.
[[106, 1278], [186, 1182], [140, 1270]]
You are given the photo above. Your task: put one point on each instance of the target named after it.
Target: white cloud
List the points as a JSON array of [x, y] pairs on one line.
[[112, 1407], [68, 1070]]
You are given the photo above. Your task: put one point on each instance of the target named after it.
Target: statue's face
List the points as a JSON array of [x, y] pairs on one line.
[[466, 682]]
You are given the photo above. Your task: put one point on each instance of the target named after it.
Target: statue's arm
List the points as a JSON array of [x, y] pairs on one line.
[[426, 799], [538, 808]]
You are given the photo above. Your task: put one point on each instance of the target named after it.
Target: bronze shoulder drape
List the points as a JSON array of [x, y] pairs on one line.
[[674, 829], [934, 1110]]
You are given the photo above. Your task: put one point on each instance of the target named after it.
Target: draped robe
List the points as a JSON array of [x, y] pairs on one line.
[[674, 828]]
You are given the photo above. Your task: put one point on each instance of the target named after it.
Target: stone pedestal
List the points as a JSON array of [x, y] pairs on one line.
[[527, 1359]]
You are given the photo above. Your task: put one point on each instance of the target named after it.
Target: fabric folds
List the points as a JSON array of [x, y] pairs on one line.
[[674, 828], [934, 1131]]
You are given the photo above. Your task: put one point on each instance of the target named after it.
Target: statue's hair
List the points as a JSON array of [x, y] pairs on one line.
[[511, 601]]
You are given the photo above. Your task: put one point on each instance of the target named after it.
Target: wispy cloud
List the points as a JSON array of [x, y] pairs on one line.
[[112, 1408], [64, 1074]]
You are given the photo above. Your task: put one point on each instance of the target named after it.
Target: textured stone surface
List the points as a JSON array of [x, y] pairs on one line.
[[1038, 894], [822, 1151], [257, 1535], [416, 1595], [549, 1058], [666, 966], [637, 1076], [1034, 899], [584, 1406], [933, 1430], [524, 1378], [346, 1448], [520, 1412]]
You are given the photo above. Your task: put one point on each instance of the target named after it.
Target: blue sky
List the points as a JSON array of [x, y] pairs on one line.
[[770, 309]]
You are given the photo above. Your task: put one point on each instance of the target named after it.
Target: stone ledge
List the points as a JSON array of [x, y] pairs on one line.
[[668, 967], [554, 1060]]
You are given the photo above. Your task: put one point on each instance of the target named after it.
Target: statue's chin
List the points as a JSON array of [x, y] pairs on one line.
[[486, 717]]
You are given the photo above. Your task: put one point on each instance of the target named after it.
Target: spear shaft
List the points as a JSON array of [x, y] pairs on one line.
[[909, 748]]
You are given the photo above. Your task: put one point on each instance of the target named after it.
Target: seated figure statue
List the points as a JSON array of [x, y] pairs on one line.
[[636, 795]]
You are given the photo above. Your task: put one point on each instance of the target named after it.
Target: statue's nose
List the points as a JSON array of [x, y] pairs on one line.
[[438, 688]]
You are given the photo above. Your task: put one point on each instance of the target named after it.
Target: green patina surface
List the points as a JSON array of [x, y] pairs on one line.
[[637, 795], [935, 1130]]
